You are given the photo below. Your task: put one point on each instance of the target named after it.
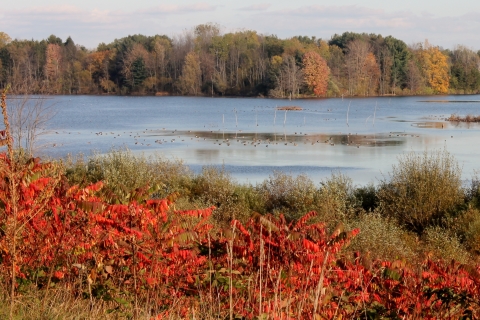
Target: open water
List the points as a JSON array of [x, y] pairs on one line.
[[360, 137]]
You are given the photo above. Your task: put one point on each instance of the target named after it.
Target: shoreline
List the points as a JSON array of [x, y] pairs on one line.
[[43, 96]]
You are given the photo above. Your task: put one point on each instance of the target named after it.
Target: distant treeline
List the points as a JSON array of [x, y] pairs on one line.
[[205, 61]]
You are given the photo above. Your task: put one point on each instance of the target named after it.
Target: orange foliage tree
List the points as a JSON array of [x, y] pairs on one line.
[[316, 72], [371, 74]]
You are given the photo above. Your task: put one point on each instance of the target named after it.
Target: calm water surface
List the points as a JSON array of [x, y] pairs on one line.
[[360, 137]]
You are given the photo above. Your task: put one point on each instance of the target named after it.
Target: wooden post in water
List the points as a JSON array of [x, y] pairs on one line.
[[348, 110]]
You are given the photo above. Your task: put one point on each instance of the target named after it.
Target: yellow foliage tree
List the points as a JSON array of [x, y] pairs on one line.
[[190, 80], [4, 39], [435, 68]]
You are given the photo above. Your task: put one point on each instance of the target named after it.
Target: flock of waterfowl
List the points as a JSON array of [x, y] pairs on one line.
[[155, 137]]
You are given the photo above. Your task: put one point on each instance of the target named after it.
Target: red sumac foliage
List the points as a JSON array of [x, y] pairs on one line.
[[266, 266]]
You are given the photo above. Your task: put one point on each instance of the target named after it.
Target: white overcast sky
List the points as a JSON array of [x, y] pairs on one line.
[[89, 22]]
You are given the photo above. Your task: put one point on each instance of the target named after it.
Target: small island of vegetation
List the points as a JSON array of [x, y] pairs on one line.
[[290, 108], [467, 118]]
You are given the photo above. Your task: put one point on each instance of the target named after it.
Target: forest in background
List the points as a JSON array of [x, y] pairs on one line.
[[206, 61]]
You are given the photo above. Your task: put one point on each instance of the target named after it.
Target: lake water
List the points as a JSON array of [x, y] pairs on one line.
[[360, 137]]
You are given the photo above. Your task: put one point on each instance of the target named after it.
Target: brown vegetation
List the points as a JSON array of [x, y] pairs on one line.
[[468, 118], [290, 108]]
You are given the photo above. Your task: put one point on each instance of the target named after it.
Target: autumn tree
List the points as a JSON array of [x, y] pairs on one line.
[[316, 73], [236, 63], [288, 77], [414, 77], [435, 68], [294, 48], [182, 45], [465, 73], [134, 65], [276, 84], [160, 48], [336, 64], [358, 51], [220, 51], [245, 65], [190, 80], [52, 67], [204, 35], [98, 65], [4, 39], [371, 75]]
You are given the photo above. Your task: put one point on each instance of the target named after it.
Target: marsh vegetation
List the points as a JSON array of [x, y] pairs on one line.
[[124, 235]]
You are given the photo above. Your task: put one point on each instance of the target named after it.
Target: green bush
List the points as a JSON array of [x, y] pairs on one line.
[[367, 197], [422, 189]]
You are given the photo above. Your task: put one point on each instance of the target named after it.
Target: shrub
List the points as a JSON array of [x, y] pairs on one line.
[[472, 193], [173, 175], [336, 199], [216, 187], [382, 238], [123, 172], [467, 226], [249, 197], [367, 197], [443, 245], [290, 195], [422, 189]]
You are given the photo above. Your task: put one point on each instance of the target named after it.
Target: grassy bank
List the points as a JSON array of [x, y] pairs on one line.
[[127, 236]]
